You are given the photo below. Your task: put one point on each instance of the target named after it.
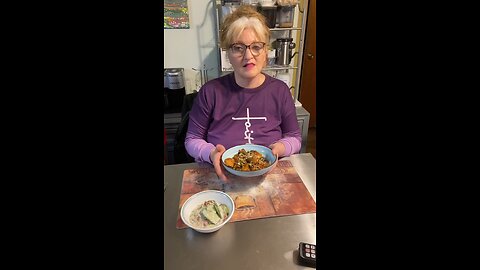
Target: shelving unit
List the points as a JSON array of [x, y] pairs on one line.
[[297, 32]]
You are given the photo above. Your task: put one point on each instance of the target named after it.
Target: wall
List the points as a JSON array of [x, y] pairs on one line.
[[194, 47]]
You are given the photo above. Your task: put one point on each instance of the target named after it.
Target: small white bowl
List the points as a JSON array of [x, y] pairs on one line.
[[195, 200], [265, 151]]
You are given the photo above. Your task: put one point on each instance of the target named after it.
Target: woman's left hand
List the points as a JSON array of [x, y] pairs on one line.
[[278, 149], [215, 157]]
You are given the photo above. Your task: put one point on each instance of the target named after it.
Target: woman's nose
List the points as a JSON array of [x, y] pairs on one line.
[[248, 54]]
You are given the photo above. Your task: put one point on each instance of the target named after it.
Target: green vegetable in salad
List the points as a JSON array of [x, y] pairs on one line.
[[209, 214]]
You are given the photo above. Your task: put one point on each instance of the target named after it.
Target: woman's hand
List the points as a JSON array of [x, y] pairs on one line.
[[215, 157], [278, 149]]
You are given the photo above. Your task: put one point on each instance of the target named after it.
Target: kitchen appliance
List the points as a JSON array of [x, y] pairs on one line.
[[173, 90], [284, 48]]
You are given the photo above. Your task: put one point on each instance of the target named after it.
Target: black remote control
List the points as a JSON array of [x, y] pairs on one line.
[[307, 254]]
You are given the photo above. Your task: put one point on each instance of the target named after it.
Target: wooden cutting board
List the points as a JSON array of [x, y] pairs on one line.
[[281, 192]]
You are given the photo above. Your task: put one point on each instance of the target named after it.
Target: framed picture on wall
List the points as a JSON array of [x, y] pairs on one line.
[[175, 14]]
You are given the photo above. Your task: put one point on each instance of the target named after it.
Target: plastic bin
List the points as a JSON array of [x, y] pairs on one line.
[[285, 16]]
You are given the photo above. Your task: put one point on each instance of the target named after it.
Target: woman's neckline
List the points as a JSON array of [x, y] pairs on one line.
[[250, 88]]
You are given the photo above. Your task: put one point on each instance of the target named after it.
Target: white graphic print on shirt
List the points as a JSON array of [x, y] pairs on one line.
[[247, 125]]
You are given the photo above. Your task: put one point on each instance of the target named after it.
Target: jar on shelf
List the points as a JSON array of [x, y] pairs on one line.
[[270, 13], [285, 16]]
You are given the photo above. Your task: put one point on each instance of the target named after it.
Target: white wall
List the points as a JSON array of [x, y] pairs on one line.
[[194, 47]]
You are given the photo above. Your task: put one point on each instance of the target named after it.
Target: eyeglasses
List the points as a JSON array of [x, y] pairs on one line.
[[239, 49]]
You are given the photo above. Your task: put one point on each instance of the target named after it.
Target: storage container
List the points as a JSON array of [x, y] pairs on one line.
[[285, 16], [270, 13]]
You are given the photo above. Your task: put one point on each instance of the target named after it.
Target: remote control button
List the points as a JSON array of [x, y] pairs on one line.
[[307, 250], [307, 254], [312, 247], [313, 256], [313, 251], [307, 245]]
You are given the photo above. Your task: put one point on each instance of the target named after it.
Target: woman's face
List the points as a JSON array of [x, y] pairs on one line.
[[248, 66]]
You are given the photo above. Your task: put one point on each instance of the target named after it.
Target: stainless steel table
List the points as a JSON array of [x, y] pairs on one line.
[[269, 243]]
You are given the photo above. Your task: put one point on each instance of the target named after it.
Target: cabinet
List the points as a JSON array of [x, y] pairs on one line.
[[290, 74], [172, 121]]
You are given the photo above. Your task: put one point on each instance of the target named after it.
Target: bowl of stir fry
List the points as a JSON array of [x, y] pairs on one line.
[[207, 211], [249, 160]]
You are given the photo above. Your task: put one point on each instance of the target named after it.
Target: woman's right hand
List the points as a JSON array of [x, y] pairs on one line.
[[215, 157]]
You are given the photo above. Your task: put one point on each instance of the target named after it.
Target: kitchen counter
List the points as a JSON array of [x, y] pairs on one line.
[[269, 243]]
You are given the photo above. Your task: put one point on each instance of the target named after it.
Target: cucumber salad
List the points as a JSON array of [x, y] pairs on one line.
[[209, 214]]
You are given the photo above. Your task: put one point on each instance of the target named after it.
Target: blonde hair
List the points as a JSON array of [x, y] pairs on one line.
[[243, 17]]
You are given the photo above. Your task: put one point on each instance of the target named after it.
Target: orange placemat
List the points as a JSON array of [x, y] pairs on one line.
[[281, 192]]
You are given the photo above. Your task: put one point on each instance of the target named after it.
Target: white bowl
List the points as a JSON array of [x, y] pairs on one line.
[[195, 200], [265, 151]]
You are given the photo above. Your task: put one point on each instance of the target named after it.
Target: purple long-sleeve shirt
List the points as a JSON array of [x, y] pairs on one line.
[[225, 113]]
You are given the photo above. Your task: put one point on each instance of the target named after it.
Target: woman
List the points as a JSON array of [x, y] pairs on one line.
[[246, 106]]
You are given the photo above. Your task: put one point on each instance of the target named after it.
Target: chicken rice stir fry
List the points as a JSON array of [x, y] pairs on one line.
[[247, 161]]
